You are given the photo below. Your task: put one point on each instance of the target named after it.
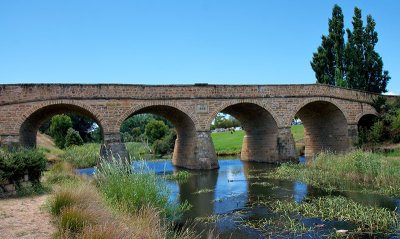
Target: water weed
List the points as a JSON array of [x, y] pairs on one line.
[[179, 176], [357, 170], [366, 218]]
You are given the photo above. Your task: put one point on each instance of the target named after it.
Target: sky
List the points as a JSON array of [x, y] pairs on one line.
[[178, 41]]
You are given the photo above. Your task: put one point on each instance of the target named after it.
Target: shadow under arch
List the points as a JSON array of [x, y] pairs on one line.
[[186, 151], [31, 124], [260, 142], [325, 128], [366, 121]]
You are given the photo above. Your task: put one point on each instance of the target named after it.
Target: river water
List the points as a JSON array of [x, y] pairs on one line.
[[228, 200]]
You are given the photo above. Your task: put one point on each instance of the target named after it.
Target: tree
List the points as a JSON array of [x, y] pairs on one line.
[[155, 129], [355, 64], [73, 138], [59, 126], [328, 61]]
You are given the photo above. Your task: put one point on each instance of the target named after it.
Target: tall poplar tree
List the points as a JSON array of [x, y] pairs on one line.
[[355, 64], [328, 61]]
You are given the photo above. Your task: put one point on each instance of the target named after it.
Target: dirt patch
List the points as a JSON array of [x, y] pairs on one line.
[[25, 218]]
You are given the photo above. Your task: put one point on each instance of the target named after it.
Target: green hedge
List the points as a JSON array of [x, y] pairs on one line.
[[16, 163]]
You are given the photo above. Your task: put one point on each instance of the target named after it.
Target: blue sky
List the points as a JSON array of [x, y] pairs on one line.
[[178, 42]]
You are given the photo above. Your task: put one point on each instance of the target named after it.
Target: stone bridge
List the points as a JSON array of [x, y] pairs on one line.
[[330, 115]]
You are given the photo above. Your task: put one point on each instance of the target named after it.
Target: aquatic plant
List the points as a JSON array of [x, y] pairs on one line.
[[367, 218]]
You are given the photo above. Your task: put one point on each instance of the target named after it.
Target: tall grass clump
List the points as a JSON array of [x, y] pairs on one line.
[[354, 170], [82, 156], [131, 189], [60, 172]]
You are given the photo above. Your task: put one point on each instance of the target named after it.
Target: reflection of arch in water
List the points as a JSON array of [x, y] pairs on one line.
[[186, 141], [325, 127], [202, 202], [37, 116], [260, 142]]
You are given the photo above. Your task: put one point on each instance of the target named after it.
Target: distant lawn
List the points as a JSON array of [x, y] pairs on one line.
[[227, 143], [298, 132]]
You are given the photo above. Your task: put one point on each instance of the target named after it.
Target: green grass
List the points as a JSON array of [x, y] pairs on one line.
[[298, 132], [82, 156], [227, 143], [136, 150], [357, 170], [130, 190]]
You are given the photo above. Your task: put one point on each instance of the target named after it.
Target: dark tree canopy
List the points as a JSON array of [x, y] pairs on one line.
[[354, 64]]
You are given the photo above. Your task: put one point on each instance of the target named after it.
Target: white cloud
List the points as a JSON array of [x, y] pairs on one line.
[[390, 93]]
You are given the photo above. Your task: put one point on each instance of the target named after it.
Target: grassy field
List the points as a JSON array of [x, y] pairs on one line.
[[227, 143], [298, 132]]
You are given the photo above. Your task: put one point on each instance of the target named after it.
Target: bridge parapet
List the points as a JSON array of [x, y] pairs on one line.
[[12, 94]]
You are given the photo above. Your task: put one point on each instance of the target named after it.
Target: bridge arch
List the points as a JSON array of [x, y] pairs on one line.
[[325, 126], [34, 117], [260, 142], [366, 118], [186, 135]]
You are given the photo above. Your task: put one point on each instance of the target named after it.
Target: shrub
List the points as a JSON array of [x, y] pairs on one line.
[[15, 164], [73, 138], [58, 129], [377, 131]]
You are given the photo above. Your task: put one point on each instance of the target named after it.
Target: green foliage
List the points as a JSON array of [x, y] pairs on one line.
[[130, 190], [82, 156], [364, 66], [73, 138], [367, 218], [223, 121], [166, 144], [355, 64], [155, 129], [15, 164], [84, 125], [328, 61], [377, 132], [58, 129]]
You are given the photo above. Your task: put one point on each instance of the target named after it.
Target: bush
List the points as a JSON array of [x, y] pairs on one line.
[[58, 129], [166, 144], [156, 129], [377, 131], [15, 164], [73, 138]]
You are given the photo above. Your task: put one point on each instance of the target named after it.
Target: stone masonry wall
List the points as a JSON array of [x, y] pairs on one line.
[[194, 108]]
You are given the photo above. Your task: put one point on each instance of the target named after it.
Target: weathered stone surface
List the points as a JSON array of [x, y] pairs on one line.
[[330, 115]]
